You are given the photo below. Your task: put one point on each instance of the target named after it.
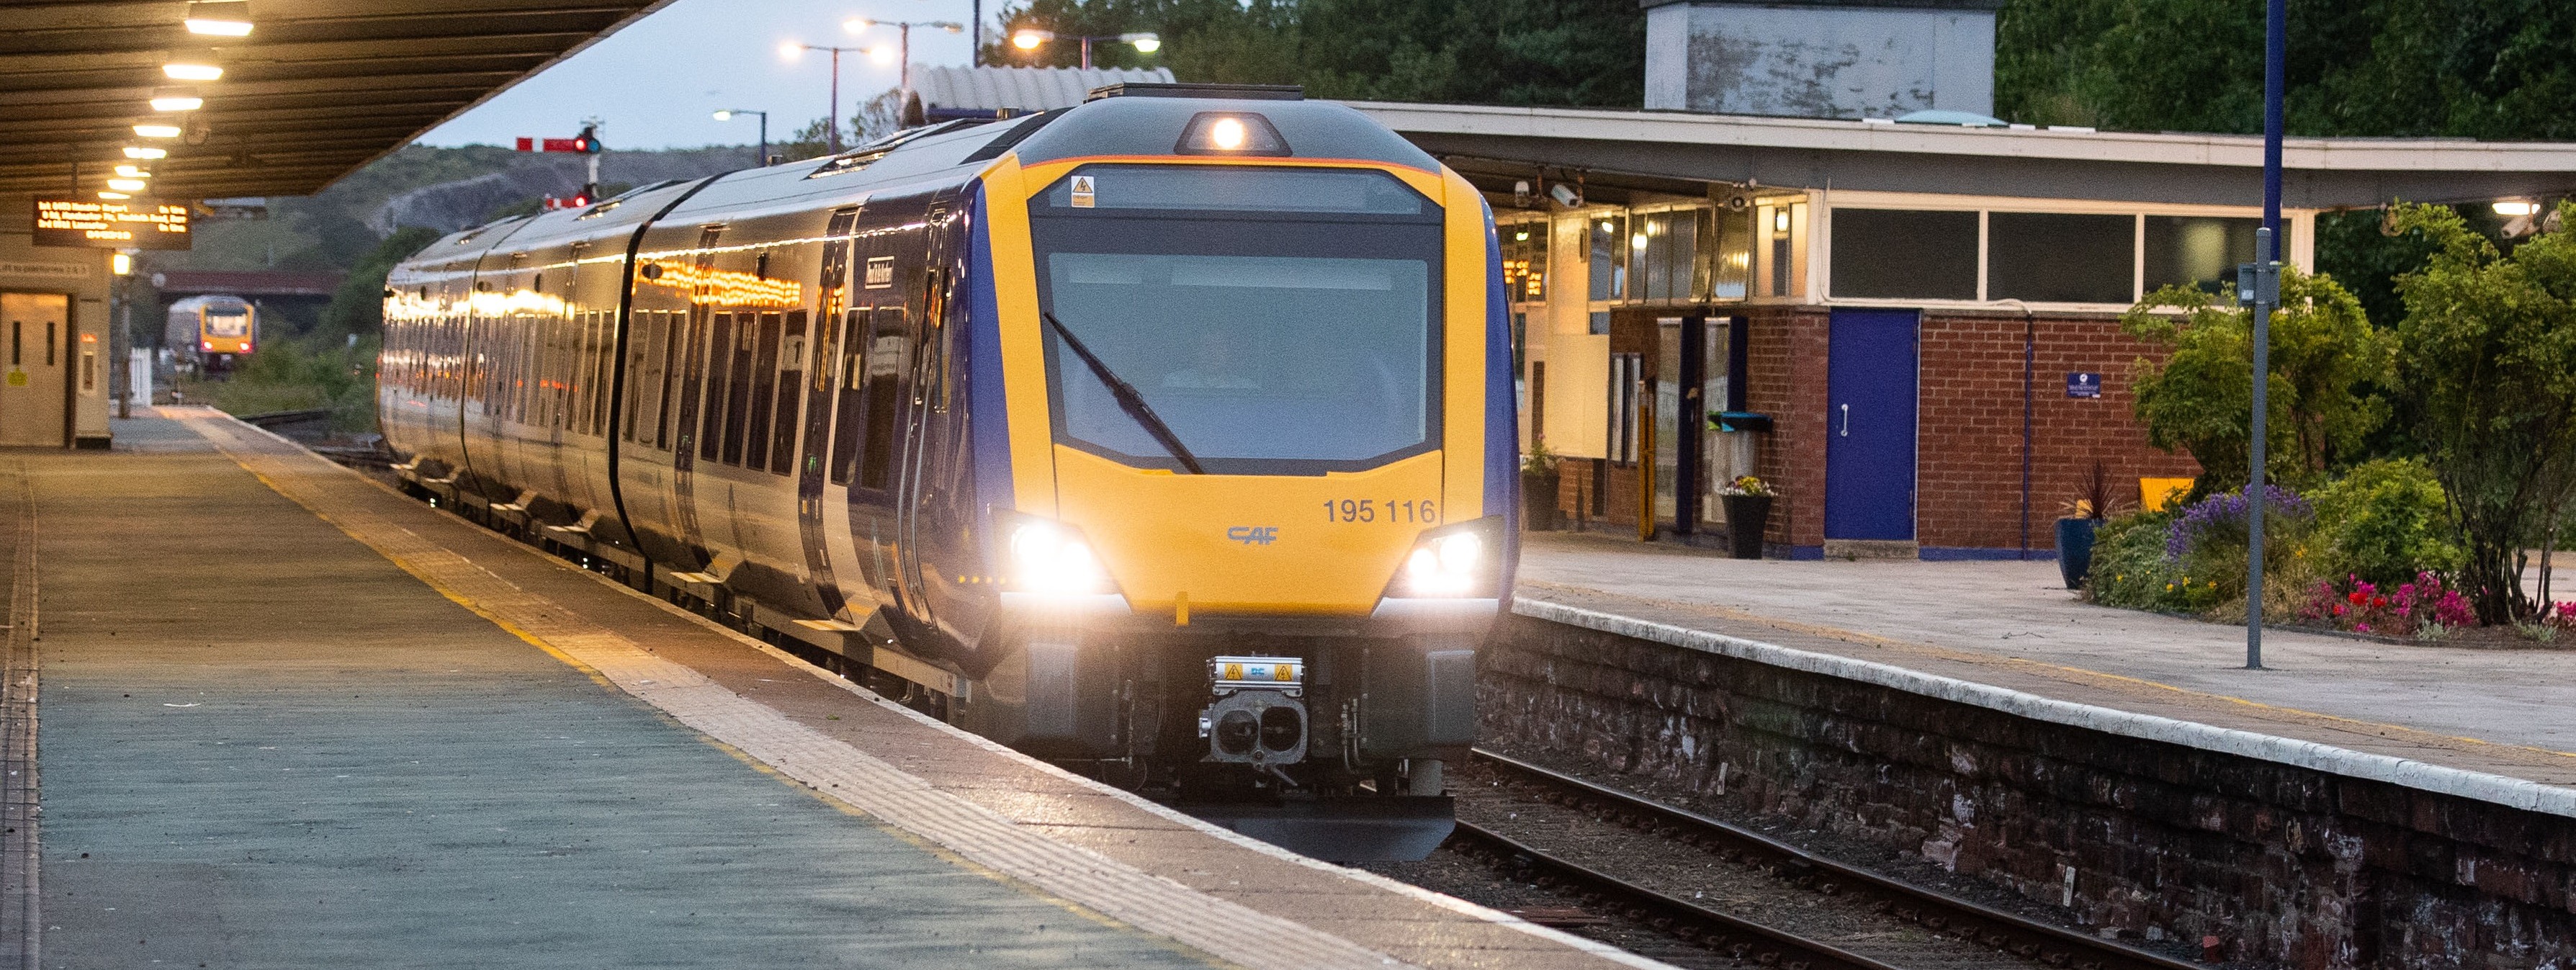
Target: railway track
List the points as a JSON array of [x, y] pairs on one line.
[[2004, 933]]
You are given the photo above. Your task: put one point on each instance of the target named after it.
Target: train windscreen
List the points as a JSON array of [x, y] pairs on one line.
[[1295, 337], [227, 321]]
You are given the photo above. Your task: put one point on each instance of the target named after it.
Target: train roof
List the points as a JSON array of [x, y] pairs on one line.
[[1119, 121], [195, 303]]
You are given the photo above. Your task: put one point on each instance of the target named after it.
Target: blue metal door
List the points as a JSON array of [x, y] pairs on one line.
[[1869, 431]]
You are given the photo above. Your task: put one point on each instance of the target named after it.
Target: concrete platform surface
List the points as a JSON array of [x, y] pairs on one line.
[[2014, 625], [289, 718]]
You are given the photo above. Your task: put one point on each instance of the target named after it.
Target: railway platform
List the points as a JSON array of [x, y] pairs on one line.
[[2015, 627], [283, 716]]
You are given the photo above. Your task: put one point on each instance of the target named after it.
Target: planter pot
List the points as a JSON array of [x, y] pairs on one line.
[[1539, 512], [2075, 549], [1747, 516]]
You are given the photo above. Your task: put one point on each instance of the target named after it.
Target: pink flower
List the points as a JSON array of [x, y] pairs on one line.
[[2362, 627]]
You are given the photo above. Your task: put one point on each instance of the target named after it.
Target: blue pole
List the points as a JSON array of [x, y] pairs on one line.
[[2267, 290]]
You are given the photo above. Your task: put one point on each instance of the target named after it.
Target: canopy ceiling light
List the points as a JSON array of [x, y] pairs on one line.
[[176, 99], [154, 129], [145, 153], [114, 196], [219, 18], [127, 185], [192, 67], [133, 172], [2516, 207]]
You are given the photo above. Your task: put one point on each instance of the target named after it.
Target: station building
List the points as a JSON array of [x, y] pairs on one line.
[[1909, 328]]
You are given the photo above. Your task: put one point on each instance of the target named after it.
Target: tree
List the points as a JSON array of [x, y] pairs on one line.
[[358, 306], [2326, 359], [2488, 355]]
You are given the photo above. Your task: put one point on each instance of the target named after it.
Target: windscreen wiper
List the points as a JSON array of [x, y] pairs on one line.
[[1128, 399]]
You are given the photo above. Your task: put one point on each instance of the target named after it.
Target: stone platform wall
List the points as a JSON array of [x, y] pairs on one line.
[[2290, 853]]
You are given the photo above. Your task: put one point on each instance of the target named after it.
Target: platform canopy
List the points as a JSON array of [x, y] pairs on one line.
[[315, 90]]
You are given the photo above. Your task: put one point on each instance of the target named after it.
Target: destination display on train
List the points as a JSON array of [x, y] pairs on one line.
[[112, 224]]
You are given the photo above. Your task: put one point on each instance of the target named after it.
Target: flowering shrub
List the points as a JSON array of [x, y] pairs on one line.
[[1747, 485], [2423, 608], [2222, 518]]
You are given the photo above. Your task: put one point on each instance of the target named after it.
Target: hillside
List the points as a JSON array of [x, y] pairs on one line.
[[438, 188]]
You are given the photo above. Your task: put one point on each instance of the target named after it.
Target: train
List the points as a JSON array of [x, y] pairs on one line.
[[216, 331], [1169, 437]]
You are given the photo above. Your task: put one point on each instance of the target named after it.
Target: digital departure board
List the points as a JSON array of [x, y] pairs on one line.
[[106, 224]]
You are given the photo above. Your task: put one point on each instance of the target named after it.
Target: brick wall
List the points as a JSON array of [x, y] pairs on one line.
[[1969, 447], [1968, 456], [2284, 865]]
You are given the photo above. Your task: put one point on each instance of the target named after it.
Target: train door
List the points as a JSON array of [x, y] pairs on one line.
[[925, 408], [34, 397], [831, 328]]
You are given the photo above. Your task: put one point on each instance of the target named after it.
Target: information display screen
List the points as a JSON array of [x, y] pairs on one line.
[[103, 224]]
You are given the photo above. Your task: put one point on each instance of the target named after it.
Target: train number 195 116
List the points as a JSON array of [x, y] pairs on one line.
[[1421, 512]]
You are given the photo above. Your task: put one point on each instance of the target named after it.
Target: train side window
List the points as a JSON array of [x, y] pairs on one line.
[[17, 342], [684, 407], [845, 410], [49, 343], [603, 345], [719, 363], [671, 336], [888, 346], [764, 393], [644, 375], [791, 387], [737, 387]]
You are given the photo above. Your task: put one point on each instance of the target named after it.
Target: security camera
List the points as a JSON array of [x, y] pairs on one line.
[[1521, 193], [1737, 203], [1565, 195]]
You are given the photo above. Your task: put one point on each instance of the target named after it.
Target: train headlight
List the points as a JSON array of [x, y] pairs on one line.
[[1051, 557], [1231, 133], [1455, 561]]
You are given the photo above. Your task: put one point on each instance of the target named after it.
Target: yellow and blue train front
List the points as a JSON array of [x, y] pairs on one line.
[[1255, 415]]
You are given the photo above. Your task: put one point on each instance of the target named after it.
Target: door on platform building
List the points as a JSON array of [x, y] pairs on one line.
[[1870, 427], [33, 393]]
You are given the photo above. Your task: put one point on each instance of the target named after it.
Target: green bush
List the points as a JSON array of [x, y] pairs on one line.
[[2385, 521], [2129, 567]]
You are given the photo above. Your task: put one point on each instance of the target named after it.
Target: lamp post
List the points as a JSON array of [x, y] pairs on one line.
[[832, 127], [728, 113], [1029, 39], [2265, 275], [904, 34]]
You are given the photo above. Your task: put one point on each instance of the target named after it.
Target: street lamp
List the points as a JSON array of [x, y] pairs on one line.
[[832, 129], [1029, 39], [728, 113], [904, 29]]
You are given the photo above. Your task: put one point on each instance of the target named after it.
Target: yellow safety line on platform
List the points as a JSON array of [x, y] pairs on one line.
[[1225, 930], [2279, 712]]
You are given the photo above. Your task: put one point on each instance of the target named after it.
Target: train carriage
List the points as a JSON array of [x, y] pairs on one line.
[[1169, 435]]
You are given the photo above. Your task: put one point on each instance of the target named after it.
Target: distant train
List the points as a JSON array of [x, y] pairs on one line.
[[1170, 435], [215, 331]]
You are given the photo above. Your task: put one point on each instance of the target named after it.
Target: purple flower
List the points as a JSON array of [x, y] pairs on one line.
[[2225, 513]]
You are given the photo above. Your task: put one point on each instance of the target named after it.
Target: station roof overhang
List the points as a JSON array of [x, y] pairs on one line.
[[318, 89], [1678, 153]]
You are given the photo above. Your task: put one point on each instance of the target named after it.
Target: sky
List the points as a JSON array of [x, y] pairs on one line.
[[658, 82]]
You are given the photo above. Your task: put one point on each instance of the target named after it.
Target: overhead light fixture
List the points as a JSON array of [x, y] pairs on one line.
[[791, 51], [152, 129], [145, 153], [1028, 40], [856, 24], [127, 185], [1145, 43], [176, 99], [2516, 208], [193, 68], [120, 263], [725, 115], [114, 196], [133, 172], [219, 18], [882, 55]]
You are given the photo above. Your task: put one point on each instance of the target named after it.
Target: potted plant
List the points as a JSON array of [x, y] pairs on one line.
[[2075, 529], [1539, 482], [1748, 514]]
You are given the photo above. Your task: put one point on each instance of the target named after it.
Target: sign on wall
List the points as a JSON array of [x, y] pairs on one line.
[[2083, 384], [104, 224]]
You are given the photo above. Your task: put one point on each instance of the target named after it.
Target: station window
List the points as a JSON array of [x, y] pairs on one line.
[[1609, 257], [1904, 254], [1524, 246], [2200, 251], [2047, 257], [1627, 371]]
